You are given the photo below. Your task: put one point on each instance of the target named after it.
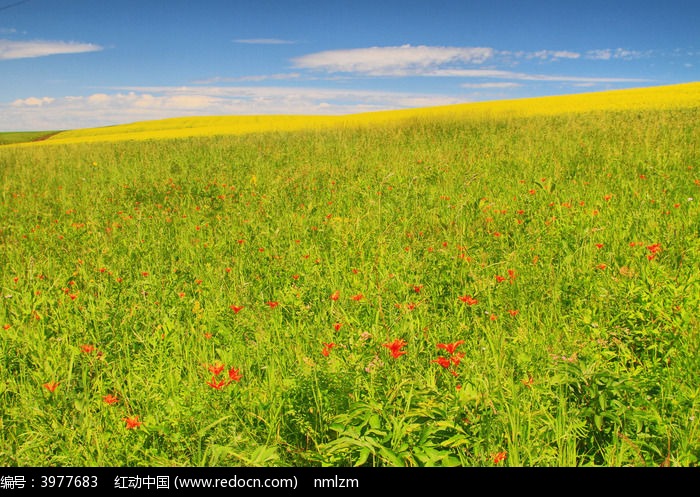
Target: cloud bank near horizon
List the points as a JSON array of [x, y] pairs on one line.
[[131, 104], [480, 69]]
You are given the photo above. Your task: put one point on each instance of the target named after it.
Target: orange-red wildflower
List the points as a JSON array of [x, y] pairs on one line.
[[217, 385], [51, 386], [234, 374], [456, 358], [468, 299], [443, 361], [327, 348], [654, 248], [216, 369], [395, 347], [132, 422], [450, 347]]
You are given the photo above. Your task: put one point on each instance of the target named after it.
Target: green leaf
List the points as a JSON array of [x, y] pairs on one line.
[[598, 420], [200, 433]]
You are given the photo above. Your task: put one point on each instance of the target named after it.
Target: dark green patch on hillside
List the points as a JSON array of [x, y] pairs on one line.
[[24, 136]]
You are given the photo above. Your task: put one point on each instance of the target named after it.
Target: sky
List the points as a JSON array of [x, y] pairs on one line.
[[67, 64]]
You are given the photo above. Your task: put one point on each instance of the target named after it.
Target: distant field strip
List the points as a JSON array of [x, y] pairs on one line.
[[662, 97]]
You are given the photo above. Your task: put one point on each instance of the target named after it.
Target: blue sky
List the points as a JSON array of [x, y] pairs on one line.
[[72, 63]]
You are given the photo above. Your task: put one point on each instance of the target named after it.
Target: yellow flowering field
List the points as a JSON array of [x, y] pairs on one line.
[[661, 97]]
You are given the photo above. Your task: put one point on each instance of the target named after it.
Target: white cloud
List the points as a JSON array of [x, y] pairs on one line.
[[32, 102], [602, 54], [552, 55], [519, 76], [98, 98], [29, 49], [500, 85], [455, 62], [616, 53], [405, 60], [249, 79], [132, 104], [264, 41]]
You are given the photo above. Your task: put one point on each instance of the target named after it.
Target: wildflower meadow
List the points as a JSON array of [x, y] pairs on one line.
[[435, 289]]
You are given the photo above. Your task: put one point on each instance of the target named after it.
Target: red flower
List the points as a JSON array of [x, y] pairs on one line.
[[500, 457], [335, 295], [132, 422], [272, 304], [655, 248], [110, 399], [468, 299], [442, 361], [327, 348], [395, 347], [337, 326], [417, 288], [234, 374], [217, 385], [51, 386], [513, 312], [500, 278], [216, 370], [450, 347], [236, 308], [457, 358], [87, 348], [358, 297]]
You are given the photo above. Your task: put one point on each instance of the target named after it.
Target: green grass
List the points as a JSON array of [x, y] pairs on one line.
[[12, 137], [585, 227]]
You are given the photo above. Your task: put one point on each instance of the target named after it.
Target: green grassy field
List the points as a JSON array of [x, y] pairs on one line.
[[14, 137], [491, 290]]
